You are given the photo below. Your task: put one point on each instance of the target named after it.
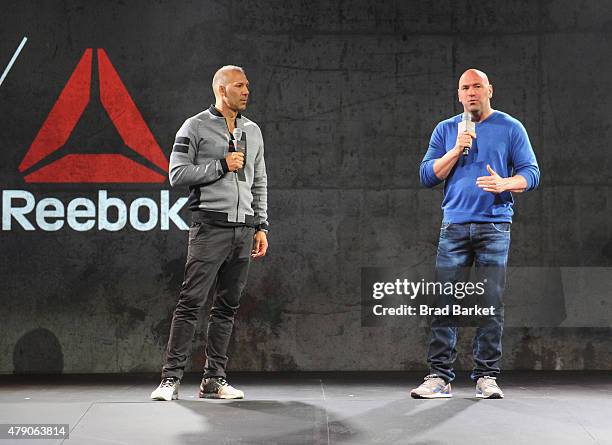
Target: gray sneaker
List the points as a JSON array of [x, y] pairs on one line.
[[433, 387], [487, 388], [218, 388], [167, 389]]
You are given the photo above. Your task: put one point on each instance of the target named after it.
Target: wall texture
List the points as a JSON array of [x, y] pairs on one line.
[[347, 94]]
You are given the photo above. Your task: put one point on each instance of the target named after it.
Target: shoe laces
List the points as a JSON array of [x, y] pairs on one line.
[[490, 381], [168, 381], [220, 381], [430, 380]]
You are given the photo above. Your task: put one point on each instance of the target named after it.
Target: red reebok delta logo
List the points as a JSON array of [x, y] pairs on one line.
[[66, 112]]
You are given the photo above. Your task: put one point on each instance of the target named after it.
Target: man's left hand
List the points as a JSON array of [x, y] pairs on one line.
[[260, 244], [493, 183]]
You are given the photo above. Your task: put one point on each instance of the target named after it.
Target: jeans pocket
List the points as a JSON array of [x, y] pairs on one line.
[[194, 230], [501, 227], [445, 225]]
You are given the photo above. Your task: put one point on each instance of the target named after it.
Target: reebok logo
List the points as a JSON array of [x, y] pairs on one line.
[[82, 214], [65, 114], [47, 162]]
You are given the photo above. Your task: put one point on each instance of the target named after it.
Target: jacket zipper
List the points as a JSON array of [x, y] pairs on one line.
[[235, 174], [238, 190]]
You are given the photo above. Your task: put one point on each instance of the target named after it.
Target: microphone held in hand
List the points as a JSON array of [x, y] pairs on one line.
[[237, 133], [466, 126]]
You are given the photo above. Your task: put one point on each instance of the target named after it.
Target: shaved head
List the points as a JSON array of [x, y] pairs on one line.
[[231, 88], [475, 93], [474, 73], [223, 76]]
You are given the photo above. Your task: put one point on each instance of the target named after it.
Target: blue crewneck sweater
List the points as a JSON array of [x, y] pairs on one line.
[[502, 142]]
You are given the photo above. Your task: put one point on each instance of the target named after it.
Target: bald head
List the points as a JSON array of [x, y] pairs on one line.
[[231, 88], [224, 76], [475, 93], [472, 74]]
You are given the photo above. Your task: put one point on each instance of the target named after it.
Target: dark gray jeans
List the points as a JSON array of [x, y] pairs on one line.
[[218, 256]]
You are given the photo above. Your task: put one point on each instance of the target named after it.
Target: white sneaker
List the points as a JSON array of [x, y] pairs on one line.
[[433, 387], [487, 388], [167, 389], [218, 388]]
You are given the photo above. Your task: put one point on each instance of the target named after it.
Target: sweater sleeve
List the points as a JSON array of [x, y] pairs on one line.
[[524, 160], [259, 189], [183, 168], [435, 151]]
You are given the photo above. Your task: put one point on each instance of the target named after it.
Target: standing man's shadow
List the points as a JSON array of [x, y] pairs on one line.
[[296, 423]]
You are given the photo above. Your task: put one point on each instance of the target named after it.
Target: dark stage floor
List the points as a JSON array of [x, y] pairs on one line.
[[315, 408]]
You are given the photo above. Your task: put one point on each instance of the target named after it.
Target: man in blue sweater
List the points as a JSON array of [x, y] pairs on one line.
[[477, 213]]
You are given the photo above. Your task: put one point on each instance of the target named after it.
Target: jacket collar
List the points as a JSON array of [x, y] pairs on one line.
[[213, 110]]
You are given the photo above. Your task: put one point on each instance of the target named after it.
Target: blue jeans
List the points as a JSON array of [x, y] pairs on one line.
[[484, 245]]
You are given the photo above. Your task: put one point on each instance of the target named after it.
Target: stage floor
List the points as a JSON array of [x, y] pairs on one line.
[[315, 408]]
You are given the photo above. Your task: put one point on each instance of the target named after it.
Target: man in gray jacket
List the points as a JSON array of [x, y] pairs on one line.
[[228, 199]]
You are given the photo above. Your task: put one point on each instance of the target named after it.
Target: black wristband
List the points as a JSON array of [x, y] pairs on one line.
[[224, 166]]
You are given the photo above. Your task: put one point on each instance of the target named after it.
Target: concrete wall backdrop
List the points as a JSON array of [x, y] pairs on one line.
[[347, 94]]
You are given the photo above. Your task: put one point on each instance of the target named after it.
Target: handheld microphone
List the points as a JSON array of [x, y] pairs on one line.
[[237, 133], [466, 125]]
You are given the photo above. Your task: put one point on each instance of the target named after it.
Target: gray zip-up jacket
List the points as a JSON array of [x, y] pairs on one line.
[[198, 161]]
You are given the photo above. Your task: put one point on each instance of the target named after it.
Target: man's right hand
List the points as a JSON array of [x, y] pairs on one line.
[[464, 140], [443, 166], [235, 161]]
